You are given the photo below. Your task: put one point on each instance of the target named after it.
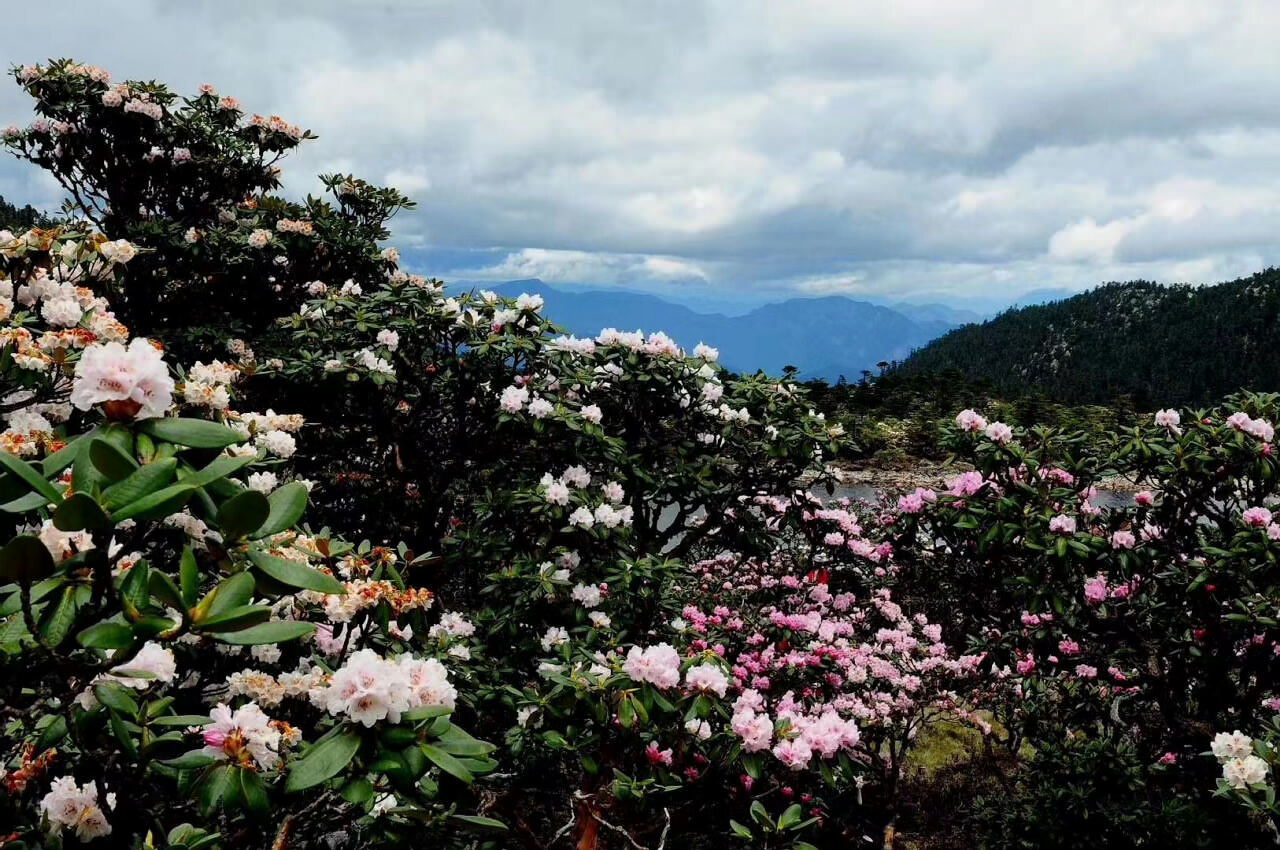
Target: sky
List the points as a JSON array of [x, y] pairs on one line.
[[920, 150]]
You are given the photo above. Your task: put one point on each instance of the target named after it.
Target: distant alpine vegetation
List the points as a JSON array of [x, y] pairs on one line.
[[1158, 344]]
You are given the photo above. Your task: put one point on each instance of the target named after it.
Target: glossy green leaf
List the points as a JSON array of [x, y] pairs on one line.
[[447, 763], [106, 635], [142, 482], [242, 514], [323, 761], [25, 559], [110, 460], [278, 631], [240, 617], [79, 512], [29, 476], [220, 467], [159, 504], [294, 574], [196, 433], [288, 503]]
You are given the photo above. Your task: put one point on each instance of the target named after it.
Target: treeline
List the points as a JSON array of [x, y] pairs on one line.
[[15, 218], [1158, 345]]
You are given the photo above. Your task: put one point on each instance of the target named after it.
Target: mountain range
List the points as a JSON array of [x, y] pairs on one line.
[[822, 337], [1160, 345]]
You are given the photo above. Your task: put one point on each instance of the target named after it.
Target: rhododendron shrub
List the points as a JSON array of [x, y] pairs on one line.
[[1136, 627], [766, 682], [179, 662], [190, 180]]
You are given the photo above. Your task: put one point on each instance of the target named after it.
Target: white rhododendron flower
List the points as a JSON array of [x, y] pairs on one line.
[[1243, 772], [370, 688], [75, 807], [131, 383], [1231, 745]]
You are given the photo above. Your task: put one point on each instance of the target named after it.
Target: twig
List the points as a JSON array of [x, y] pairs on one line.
[[578, 795], [573, 818], [662, 839]]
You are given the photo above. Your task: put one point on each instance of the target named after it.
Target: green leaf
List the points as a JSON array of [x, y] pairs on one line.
[[234, 619], [216, 786], [110, 459], [85, 477], [54, 732], [479, 822], [189, 574], [135, 589], [219, 467], [63, 457], [288, 503], [425, 712], [253, 792], [26, 503], [322, 762], [25, 559], [278, 631], [116, 698], [145, 480], [59, 622], [124, 735], [232, 592], [294, 574], [159, 504], [28, 474], [163, 588], [740, 830], [457, 742], [182, 720], [79, 512], [447, 763], [792, 816], [106, 635], [243, 514], [196, 433], [193, 760], [358, 792]]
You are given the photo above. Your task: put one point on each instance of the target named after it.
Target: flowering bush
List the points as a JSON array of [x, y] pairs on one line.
[[1130, 630], [151, 558]]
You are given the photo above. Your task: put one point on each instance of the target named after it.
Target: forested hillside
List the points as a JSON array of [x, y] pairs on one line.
[[1159, 344], [13, 217]]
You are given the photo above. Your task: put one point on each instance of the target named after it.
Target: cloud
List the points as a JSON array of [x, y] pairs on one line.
[[584, 266], [916, 149]]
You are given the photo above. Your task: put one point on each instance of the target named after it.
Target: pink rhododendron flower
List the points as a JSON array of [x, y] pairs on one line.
[[242, 736], [1062, 524], [998, 432], [659, 665], [1257, 517], [1095, 589], [1123, 539], [969, 420], [707, 678]]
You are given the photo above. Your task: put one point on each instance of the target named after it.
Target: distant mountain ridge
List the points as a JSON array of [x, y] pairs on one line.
[[823, 337], [1159, 344]]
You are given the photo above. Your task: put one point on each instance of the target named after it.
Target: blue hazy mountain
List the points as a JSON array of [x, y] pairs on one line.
[[822, 337]]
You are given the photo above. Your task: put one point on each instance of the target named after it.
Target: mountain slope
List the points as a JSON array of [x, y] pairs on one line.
[[822, 337], [1160, 344]]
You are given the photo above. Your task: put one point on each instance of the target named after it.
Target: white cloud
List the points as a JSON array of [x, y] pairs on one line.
[[587, 267], [910, 148]]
